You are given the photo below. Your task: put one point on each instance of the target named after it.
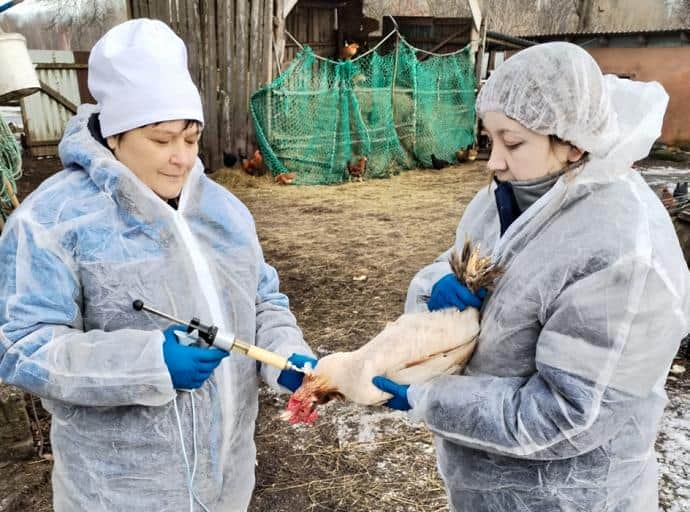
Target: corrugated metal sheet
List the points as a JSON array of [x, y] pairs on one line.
[[600, 32], [524, 18], [44, 117]]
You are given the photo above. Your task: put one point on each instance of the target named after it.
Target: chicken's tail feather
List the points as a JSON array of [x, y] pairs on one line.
[[473, 269]]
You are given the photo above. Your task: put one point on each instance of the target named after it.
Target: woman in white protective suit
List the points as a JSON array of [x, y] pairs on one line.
[[133, 216], [559, 407]]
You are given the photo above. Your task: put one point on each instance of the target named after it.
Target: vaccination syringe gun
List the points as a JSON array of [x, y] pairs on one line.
[[228, 342]]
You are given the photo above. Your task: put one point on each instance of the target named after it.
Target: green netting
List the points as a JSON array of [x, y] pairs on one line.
[[395, 109], [10, 166]]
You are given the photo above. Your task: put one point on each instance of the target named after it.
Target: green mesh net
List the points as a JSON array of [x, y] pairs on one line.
[[394, 108], [10, 167]]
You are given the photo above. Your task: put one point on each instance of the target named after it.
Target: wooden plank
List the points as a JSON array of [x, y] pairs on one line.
[[288, 5], [10, 192], [39, 143], [479, 56], [241, 44], [183, 26], [268, 63], [153, 9], [135, 8], [60, 65], [164, 11], [174, 16], [215, 157], [208, 136], [45, 88], [314, 45], [442, 44], [268, 41], [233, 86], [193, 39], [476, 13], [279, 32], [224, 79], [255, 64]]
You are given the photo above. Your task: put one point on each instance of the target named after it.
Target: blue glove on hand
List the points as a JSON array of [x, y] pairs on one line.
[[399, 392], [291, 379], [189, 367], [448, 292]]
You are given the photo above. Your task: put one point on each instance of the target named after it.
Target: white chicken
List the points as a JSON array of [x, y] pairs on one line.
[[413, 349]]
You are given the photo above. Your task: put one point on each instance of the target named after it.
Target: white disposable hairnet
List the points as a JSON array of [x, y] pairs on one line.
[[558, 89], [138, 75]]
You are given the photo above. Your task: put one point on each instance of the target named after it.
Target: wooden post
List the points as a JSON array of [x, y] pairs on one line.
[[267, 46], [395, 74], [16, 441], [210, 81], [279, 31], [224, 50], [10, 192], [174, 16], [240, 77], [255, 64], [478, 70]]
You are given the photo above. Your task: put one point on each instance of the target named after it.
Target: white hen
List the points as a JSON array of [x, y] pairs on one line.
[[413, 349]]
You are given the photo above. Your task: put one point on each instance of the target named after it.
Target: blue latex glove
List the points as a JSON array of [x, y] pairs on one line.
[[448, 292], [291, 379], [189, 366], [399, 392]]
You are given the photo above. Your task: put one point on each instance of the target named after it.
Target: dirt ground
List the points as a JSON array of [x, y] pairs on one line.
[[345, 255]]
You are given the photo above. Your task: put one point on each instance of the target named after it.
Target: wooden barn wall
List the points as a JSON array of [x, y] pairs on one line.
[[312, 26], [230, 56], [442, 35]]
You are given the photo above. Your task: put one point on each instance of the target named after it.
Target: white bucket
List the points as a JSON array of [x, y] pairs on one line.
[[17, 74]]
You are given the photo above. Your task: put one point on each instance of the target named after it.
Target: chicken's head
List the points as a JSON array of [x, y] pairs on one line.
[[315, 390]]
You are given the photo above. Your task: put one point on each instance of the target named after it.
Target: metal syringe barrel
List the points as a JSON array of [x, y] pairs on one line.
[[225, 342], [230, 343]]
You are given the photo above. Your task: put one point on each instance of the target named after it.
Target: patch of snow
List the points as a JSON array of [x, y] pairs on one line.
[[664, 171], [673, 449], [365, 425]]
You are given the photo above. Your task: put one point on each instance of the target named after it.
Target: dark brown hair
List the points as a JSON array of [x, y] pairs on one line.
[[187, 124]]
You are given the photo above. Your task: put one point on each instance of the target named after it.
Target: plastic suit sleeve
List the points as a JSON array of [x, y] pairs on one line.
[[276, 326], [420, 288], [589, 372], [43, 348]]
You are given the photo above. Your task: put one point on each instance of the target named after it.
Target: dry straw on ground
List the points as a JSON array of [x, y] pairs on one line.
[[345, 255]]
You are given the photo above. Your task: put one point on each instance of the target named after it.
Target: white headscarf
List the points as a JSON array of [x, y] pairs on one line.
[[138, 74]]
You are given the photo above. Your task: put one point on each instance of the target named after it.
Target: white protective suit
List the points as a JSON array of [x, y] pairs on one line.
[[89, 241], [559, 407]]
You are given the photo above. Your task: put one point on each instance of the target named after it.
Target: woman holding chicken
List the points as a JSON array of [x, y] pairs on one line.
[[559, 407], [140, 421]]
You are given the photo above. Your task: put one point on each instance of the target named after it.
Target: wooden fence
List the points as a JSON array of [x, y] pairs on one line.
[[232, 46]]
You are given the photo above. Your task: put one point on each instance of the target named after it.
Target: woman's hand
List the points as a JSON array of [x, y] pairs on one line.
[[189, 367], [292, 379], [448, 292], [399, 392]]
